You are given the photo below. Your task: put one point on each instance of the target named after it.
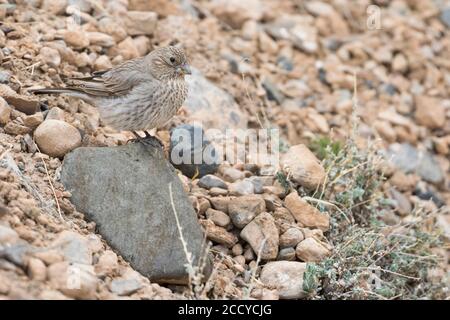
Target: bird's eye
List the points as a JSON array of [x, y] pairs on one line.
[[172, 59]]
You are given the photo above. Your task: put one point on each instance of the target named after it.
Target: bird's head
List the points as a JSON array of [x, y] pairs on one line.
[[169, 63]]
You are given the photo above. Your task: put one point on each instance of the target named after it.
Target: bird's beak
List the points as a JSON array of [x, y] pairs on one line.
[[186, 68]]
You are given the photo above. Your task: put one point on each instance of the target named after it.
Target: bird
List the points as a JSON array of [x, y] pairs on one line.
[[137, 95]]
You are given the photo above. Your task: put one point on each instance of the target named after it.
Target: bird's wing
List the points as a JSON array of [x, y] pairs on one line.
[[114, 82]]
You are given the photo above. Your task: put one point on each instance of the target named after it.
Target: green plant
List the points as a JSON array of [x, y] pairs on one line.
[[370, 260], [324, 146]]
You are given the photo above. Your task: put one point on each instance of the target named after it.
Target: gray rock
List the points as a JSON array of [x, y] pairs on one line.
[[125, 190], [427, 192], [191, 152], [4, 77], [125, 287], [7, 235], [389, 88], [258, 184], [429, 169], [74, 247], [297, 29], [82, 5], [243, 187], [272, 91], [287, 254], [242, 210], [409, 159], [285, 63], [209, 181], [445, 17], [205, 101], [402, 203], [16, 253]]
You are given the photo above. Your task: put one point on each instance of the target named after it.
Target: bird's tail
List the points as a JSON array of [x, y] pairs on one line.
[[51, 91], [72, 92]]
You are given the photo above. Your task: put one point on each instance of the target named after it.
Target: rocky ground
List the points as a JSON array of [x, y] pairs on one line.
[[360, 208]]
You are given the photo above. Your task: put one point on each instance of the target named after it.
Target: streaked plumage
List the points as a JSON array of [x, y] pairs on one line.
[[139, 94]]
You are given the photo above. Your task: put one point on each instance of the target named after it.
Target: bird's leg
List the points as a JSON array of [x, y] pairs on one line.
[[152, 140], [137, 139], [147, 140]]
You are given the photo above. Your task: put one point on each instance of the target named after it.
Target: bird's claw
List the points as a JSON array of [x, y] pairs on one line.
[[147, 140]]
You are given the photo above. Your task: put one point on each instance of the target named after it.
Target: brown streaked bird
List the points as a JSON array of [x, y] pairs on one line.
[[139, 94]]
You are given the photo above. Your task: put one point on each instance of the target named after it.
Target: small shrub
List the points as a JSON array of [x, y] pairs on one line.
[[370, 260]]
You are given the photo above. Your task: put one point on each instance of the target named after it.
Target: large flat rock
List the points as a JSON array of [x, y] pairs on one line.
[[125, 190]]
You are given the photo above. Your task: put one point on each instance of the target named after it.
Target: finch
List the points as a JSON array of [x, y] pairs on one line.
[[139, 94]]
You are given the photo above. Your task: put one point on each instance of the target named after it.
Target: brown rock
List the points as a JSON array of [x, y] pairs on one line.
[[162, 7], [126, 49], [287, 254], [306, 214], [102, 63], [107, 263], [237, 249], [112, 27], [37, 269], [265, 294], [56, 138], [302, 166], [249, 255], [5, 112], [100, 39], [291, 238], [286, 277], [218, 217], [262, 235], [56, 7], [50, 56], [218, 234], [82, 60], [311, 250], [400, 63], [142, 44], [77, 39], [203, 205], [49, 256], [267, 44], [74, 280], [430, 112], [141, 23], [15, 128], [243, 209], [236, 12], [218, 192], [220, 203], [5, 284], [55, 113], [34, 120], [52, 295], [25, 104]]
